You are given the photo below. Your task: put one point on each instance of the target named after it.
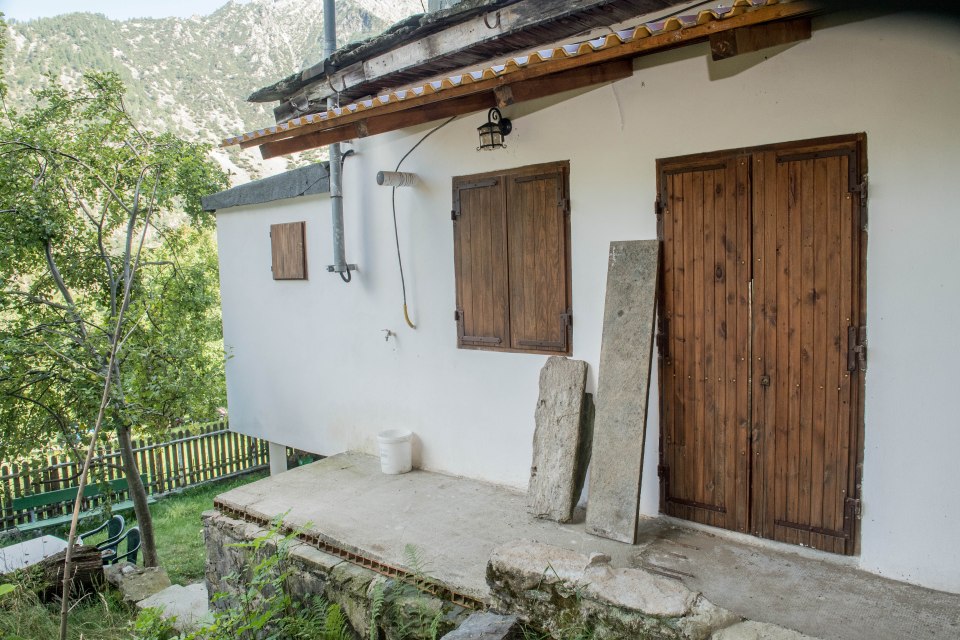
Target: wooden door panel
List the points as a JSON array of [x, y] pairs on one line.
[[805, 260], [704, 318], [761, 304]]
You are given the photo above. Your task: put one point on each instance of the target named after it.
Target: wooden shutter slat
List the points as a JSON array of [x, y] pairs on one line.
[[288, 251]]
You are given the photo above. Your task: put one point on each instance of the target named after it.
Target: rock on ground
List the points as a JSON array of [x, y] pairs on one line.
[[486, 625], [186, 606], [554, 475], [751, 630], [562, 591], [136, 583]]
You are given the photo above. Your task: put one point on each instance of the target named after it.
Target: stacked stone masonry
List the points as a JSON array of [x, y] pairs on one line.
[[561, 592]]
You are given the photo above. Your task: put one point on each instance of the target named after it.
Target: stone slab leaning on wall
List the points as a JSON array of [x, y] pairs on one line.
[[558, 454]]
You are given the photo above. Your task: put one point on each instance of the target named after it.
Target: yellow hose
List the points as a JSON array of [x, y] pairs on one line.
[[406, 316]]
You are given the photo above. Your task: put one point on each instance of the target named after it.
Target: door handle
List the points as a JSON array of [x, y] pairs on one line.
[[764, 380]]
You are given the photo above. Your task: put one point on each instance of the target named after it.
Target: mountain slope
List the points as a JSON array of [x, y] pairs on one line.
[[192, 75]]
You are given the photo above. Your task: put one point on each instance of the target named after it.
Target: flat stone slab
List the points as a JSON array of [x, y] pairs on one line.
[[455, 523], [758, 631], [622, 390], [560, 589], [554, 490], [526, 564], [486, 625], [187, 606]]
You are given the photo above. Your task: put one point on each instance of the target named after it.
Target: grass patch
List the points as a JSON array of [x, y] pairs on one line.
[[179, 532], [99, 616]]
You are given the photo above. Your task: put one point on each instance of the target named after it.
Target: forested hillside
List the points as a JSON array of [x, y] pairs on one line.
[[192, 75]]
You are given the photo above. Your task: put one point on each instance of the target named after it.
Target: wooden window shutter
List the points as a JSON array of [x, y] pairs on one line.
[[289, 251], [480, 247], [537, 208], [512, 254]]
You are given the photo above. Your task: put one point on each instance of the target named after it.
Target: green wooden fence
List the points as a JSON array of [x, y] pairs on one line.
[[193, 456]]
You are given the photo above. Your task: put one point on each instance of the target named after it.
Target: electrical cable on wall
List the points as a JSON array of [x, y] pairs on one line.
[[396, 232]]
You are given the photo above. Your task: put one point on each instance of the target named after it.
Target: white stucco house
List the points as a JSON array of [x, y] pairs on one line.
[[743, 138]]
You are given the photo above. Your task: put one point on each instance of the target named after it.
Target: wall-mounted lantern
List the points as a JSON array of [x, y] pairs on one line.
[[494, 130]]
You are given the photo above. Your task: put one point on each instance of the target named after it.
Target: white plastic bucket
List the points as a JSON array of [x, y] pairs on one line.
[[395, 451]]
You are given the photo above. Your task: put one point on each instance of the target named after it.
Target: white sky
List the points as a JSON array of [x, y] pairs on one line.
[[117, 9]]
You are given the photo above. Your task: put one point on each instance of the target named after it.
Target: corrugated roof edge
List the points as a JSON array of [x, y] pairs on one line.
[[305, 181], [570, 50], [410, 28]]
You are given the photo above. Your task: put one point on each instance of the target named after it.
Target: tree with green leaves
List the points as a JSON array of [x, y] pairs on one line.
[[101, 227], [3, 44]]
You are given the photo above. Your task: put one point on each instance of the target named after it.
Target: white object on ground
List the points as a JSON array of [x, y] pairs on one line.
[[396, 451], [29, 553]]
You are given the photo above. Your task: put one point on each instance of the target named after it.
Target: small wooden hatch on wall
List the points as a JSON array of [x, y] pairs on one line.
[[289, 250]]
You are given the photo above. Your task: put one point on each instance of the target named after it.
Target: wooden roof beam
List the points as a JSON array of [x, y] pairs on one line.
[[345, 129], [502, 22], [754, 38], [444, 108]]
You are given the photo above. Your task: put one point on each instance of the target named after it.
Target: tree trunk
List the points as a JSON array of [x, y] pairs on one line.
[[138, 493]]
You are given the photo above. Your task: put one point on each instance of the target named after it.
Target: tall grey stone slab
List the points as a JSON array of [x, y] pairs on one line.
[[553, 490], [622, 390]]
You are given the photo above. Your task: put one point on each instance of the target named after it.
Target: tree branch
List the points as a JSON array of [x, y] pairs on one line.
[[62, 286], [56, 416], [73, 158], [38, 299]]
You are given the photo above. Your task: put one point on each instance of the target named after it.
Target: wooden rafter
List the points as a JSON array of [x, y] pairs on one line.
[[427, 110], [552, 76], [749, 39], [452, 43]]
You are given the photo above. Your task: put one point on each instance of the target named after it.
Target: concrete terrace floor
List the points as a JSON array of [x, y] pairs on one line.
[[455, 523]]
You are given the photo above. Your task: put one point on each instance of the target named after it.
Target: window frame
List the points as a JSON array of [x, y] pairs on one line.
[[562, 168]]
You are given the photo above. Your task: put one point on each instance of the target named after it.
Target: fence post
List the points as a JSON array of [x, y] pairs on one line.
[[5, 490]]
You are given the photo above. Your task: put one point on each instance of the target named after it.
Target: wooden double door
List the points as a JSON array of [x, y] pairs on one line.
[[761, 339]]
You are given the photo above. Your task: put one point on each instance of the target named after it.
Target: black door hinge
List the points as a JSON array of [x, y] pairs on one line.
[[663, 471], [663, 342], [856, 349], [454, 214], [456, 315], [567, 318], [658, 209], [861, 190], [855, 507], [564, 205]]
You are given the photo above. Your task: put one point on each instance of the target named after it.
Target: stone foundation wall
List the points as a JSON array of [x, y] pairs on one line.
[[407, 613], [561, 592], [571, 595]]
